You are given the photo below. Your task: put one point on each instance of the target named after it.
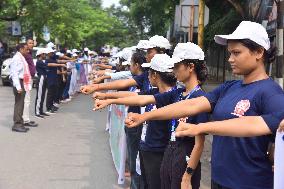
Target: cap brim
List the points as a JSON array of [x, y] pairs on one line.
[[176, 60], [146, 65], [125, 63], [223, 39]]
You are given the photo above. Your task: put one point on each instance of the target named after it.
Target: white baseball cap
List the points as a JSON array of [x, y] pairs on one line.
[[118, 55], [74, 55], [49, 50], [69, 51], [92, 52], [247, 30], [50, 45], [143, 44], [127, 62], [86, 49], [126, 53], [158, 41], [187, 51], [40, 51], [160, 63], [75, 51], [59, 54]]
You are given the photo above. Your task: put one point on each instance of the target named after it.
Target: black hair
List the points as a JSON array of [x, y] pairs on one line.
[[29, 39], [20, 46], [138, 58], [63, 50], [269, 55], [167, 77], [200, 69]]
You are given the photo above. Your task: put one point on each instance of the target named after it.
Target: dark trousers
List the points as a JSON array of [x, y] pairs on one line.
[[61, 86], [40, 95], [66, 89], [19, 106], [51, 96], [150, 167], [215, 185], [133, 136], [174, 165]]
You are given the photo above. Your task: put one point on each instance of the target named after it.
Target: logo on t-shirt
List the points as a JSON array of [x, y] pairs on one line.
[[183, 120], [241, 108]]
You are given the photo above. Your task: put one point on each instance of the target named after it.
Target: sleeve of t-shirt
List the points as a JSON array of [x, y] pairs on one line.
[[214, 95], [273, 120], [40, 64], [139, 80], [166, 98], [149, 92]]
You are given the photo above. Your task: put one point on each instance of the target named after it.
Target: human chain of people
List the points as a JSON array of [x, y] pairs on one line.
[[169, 114]]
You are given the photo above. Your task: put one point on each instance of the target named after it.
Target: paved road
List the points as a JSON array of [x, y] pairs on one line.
[[69, 150]]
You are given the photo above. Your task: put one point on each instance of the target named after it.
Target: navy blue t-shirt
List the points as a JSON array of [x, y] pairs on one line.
[[143, 82], [51, 73], [174, 96], [273, 120], [241, 162], [41, 67], [158, 131], [134, 109]]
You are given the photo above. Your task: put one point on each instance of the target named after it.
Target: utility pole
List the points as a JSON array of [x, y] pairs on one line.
[[191, 24], [279, 42], [201, 9]]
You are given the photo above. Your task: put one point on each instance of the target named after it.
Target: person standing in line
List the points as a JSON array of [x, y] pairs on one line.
[[21, 78], [235, 154], [29, 59], [52, 79], [41, 67]]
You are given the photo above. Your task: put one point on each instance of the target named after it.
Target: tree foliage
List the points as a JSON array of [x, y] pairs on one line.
[[72, 22], [151, 16]]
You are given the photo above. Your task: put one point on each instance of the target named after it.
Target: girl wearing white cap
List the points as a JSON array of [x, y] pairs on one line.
[[155, 134], [189, 68], [237, 162], [156, 45]]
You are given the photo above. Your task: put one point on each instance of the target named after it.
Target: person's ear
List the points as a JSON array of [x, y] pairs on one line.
[[259, 53], [191, 67]]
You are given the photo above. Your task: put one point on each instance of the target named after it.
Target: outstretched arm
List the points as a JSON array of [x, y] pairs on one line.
[[248, 126], [138, 100], [114, 85], [120, 94], [177, 110]]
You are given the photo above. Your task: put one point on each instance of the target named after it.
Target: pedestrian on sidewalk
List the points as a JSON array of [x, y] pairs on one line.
[[21, 77]]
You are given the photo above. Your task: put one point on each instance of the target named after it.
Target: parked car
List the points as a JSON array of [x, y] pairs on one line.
[[5, 70]]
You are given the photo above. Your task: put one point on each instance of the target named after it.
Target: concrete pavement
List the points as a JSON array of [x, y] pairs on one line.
[[69, 150]]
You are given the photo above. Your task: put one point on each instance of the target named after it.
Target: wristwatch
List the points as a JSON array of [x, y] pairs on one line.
[[189, 170]]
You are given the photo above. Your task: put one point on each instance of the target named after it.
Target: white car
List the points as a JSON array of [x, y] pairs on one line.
[[5, 70]]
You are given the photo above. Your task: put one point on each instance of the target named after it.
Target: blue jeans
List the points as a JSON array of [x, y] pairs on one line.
[[133, 136]]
